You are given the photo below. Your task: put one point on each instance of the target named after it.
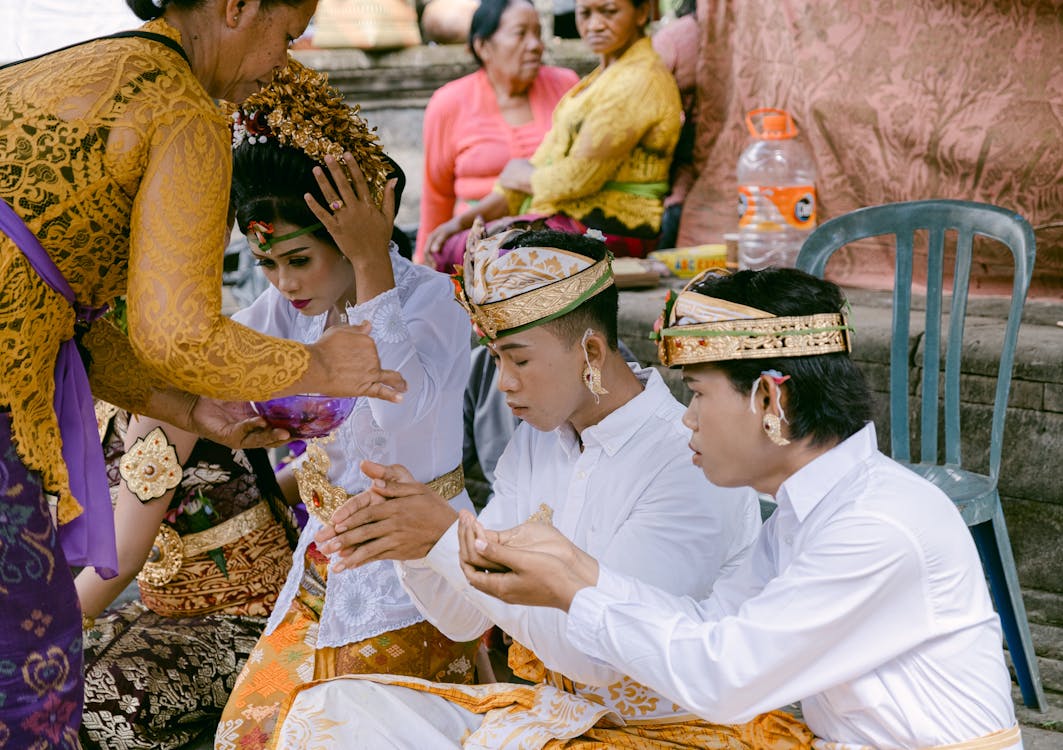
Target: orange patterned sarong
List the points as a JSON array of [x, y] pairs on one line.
[[288, 658]]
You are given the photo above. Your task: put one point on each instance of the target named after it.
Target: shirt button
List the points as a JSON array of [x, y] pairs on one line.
[[788, 539], [582, 475]]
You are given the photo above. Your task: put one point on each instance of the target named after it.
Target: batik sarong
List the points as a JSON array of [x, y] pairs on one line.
[[40, 620], [156, 683]]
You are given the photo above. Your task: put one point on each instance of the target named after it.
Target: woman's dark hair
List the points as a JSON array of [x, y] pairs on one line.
[[270, 180], [146, 10], [485, 21], [600, 311], [826, 396]]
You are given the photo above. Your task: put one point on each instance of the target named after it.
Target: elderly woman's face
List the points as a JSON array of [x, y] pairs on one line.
[[515, 51], [609, 27], [256, 46]]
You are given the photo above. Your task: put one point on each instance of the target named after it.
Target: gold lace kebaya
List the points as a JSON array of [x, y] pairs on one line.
[[694, 328], [509, 291], [119, 162]]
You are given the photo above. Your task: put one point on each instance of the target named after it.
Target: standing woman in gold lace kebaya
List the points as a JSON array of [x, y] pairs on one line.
[[115, 166]]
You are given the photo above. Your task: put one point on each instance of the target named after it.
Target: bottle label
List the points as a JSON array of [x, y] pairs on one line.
[[796, 204]]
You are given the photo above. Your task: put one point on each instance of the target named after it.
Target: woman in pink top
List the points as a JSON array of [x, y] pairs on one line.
[[504, 110]]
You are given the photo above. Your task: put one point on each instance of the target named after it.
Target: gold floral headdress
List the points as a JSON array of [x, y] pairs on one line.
[[505, 291], [300, 109], [696, 328]]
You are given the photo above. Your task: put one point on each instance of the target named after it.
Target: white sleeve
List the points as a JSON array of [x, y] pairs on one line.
[[817, 624], [666, 539], [427, 340], [436, 584]]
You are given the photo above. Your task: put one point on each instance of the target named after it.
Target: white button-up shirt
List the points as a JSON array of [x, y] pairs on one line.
[[631, 498], [864, 599], [421, 331]]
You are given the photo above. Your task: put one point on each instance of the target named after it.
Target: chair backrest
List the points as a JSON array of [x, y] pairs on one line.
[[936, 217]]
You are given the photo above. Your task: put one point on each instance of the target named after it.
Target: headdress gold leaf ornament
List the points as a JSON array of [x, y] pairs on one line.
[[299, 108], [505, 291], [695, 328]]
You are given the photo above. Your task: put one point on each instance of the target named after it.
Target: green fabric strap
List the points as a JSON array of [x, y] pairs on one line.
[[598, 286], [268, 244], [655, 190]]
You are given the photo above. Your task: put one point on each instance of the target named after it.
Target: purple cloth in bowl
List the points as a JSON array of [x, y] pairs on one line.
[[306, 416]]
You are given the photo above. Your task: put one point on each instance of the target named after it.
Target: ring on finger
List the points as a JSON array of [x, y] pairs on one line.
[[336, 205]]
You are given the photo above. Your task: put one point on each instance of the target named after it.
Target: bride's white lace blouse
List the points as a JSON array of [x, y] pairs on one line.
[[423, 333]]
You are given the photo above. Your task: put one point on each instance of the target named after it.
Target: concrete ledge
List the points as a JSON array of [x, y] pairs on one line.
[[407, 77]]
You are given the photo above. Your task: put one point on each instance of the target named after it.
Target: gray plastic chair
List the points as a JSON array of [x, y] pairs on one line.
[[975, 495]]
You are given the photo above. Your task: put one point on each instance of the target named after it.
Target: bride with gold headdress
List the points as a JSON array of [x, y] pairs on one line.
[[316, 196]]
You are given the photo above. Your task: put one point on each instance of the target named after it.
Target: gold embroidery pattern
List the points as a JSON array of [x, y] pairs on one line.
[[81, 133], [627, 698], [150, 468], [165, 558], [545, 514], [322, 498], [758, 338], [226, 532], [537, 304], [104, 412], [257, 561]]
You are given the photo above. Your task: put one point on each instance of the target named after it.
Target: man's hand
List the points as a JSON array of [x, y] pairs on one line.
[[532, 564], [233, 423], [397, 518]]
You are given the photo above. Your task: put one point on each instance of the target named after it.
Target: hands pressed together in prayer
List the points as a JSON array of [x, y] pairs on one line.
[[532, 564], [397, 518]]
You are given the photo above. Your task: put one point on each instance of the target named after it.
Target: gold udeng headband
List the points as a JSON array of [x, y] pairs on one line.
[[754, 338], [537, 305]]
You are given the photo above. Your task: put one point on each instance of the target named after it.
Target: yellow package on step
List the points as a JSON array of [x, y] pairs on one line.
[[686, 262]]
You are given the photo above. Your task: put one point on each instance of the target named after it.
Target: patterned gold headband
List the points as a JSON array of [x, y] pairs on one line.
[[300, 109], [742, 332], [536, 306]]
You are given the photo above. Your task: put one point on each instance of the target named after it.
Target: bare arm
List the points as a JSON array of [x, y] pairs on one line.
[[136, 524]]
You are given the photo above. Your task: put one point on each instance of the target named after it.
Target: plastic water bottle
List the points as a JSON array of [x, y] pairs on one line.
[[776, 192]]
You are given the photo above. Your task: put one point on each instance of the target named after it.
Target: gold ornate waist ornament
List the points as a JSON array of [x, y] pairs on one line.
[[721, 330], [170, 549], [322, 498], [525, 286]]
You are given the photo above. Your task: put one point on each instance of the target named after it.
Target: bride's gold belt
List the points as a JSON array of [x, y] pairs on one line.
[[322, 498]]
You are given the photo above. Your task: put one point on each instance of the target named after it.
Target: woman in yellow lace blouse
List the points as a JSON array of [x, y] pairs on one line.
[[114, 179], [604, 163]]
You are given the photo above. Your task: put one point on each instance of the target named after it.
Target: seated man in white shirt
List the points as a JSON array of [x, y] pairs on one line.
[[864, 597], [601, 454]]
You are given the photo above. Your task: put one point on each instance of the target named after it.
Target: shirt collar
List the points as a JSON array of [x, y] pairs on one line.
[[621, 425], [804, 489]]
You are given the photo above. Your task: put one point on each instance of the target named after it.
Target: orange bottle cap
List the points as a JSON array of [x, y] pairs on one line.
[[775, 124]]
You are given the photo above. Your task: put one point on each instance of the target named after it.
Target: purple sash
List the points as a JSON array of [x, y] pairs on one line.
[[89, 538]]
